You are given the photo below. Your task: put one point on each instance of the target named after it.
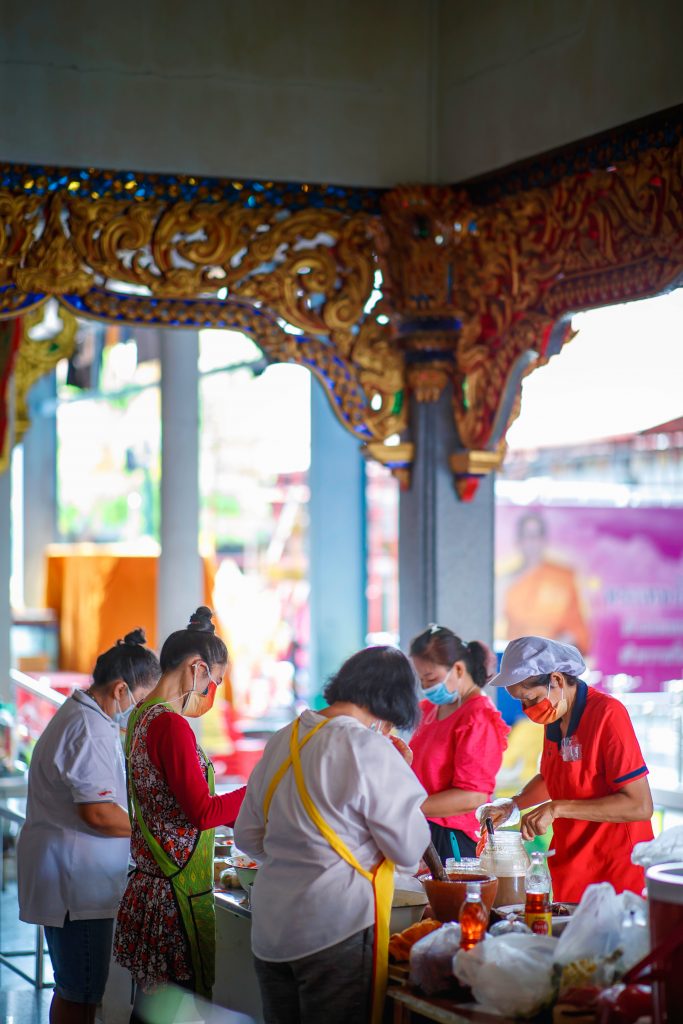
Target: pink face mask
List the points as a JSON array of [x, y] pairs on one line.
[[197, 704]]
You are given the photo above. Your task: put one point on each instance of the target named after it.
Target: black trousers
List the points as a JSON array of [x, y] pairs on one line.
[[441, 837]]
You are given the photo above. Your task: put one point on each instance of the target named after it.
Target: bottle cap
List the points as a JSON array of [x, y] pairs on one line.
[[474, 889]]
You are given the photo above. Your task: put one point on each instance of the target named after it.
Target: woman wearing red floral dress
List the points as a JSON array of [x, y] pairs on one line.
[[165, 932]]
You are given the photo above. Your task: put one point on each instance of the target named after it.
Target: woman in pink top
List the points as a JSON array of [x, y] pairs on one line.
[[458, 746]]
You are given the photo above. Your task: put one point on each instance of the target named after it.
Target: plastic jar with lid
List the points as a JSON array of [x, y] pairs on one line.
[[466, 866], [505, 857]]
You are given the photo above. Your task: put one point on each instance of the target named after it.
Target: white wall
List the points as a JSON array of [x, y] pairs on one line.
[[313, 89], [369, 92], [520, 78]]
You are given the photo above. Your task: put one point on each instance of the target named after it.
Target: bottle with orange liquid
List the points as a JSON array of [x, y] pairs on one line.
[[537, 911], [473, 918]]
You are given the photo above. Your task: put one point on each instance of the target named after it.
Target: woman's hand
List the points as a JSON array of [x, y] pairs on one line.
[[538, 821], [498, 813], [403, 749]]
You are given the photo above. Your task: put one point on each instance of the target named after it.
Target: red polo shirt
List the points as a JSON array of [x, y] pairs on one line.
[[588, 851]]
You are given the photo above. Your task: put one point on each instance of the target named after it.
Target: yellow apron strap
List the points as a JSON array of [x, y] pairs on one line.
[[329, 834], [381, 879], [277, 778], [383, 888]]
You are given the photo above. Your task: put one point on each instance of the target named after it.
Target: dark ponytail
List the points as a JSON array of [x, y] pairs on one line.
[[198, 638], [129, 660], [441, 646]]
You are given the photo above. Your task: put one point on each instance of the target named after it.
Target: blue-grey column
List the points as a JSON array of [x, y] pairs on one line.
[[179, 589], [5, 573], [337, 548], [40, 486], [446, 556]]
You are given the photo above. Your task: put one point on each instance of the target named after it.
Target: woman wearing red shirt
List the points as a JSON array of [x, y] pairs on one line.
[[458, 746], [165, 932], [592, 785]]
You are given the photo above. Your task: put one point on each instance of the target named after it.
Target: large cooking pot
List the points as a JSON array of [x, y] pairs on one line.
[[665, 900]]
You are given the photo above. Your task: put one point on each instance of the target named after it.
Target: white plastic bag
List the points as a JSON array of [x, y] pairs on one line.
[[666, 848], [511, 974], [431, 958], [594, 928], [634, 940]]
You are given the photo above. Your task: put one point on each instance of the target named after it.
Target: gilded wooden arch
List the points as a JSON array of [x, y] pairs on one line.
[[478, 283]]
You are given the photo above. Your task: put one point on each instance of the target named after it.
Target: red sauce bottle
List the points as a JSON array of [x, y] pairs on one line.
[[473, 918], [537, 912]]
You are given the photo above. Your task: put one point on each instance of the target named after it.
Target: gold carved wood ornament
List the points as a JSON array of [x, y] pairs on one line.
[[474, 296]]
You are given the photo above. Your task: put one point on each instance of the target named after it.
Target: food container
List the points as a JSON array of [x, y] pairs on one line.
[[505, 857], [561, 914], [665, 900], [446, 898], [219, 865], [223, 846], [467, 866], [245, 869], [407, 908]]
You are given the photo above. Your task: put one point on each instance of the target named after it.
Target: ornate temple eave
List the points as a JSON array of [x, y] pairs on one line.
[[475, 295]]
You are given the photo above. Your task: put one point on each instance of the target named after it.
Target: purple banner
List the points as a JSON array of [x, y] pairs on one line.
[[609, 580]]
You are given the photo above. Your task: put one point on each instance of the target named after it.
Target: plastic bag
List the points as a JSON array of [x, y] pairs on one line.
[[511, 974], [666, 848], [607, 934], [594, 928], [634, 941], [510, 925], [431, 959]]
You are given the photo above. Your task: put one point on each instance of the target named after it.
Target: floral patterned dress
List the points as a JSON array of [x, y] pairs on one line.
[[150, 940]]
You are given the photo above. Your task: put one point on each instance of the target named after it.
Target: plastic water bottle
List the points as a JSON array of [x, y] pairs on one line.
[[537, 912], [473, 918]]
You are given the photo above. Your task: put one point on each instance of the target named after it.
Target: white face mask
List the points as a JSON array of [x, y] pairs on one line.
[[121, 717]]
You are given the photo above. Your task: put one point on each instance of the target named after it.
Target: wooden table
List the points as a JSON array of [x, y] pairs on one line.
[[405, 1002]]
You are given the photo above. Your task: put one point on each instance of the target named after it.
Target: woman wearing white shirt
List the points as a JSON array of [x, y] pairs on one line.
[[73, 849], [328, 819]]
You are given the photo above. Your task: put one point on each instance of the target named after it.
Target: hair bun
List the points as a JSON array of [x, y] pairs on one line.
[[135, 637], [201, 622]]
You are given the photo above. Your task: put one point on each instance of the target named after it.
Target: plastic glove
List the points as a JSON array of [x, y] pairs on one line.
[[501, 812]]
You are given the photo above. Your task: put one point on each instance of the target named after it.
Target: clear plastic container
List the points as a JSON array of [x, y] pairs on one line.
[[505, 857]]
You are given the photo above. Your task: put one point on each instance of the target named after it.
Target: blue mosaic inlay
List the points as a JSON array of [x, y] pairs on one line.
[[92, 183]]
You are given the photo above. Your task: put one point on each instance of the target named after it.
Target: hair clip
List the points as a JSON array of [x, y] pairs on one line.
[[433, 628]]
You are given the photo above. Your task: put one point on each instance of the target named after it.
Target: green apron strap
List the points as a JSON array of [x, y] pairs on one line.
[[192, 883]]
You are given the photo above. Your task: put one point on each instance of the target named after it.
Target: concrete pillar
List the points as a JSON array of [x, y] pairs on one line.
[[179, 589], [5, 573], [445, 545], [39, 486], [337, 548]]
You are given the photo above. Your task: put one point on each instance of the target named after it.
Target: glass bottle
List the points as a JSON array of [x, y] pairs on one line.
[[473, 918], [537, 911]]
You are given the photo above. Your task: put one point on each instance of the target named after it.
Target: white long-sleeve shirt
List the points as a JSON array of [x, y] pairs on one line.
[[306, 897]]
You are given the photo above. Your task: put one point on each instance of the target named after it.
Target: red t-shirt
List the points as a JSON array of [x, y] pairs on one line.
[[462, 751], [588, 851], [172, 748]]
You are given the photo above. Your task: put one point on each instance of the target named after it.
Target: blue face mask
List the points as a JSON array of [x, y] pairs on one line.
[[121, 717], [440, 694]]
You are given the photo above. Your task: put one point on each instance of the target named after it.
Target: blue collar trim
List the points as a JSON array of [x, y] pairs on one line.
[[554, 731]]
